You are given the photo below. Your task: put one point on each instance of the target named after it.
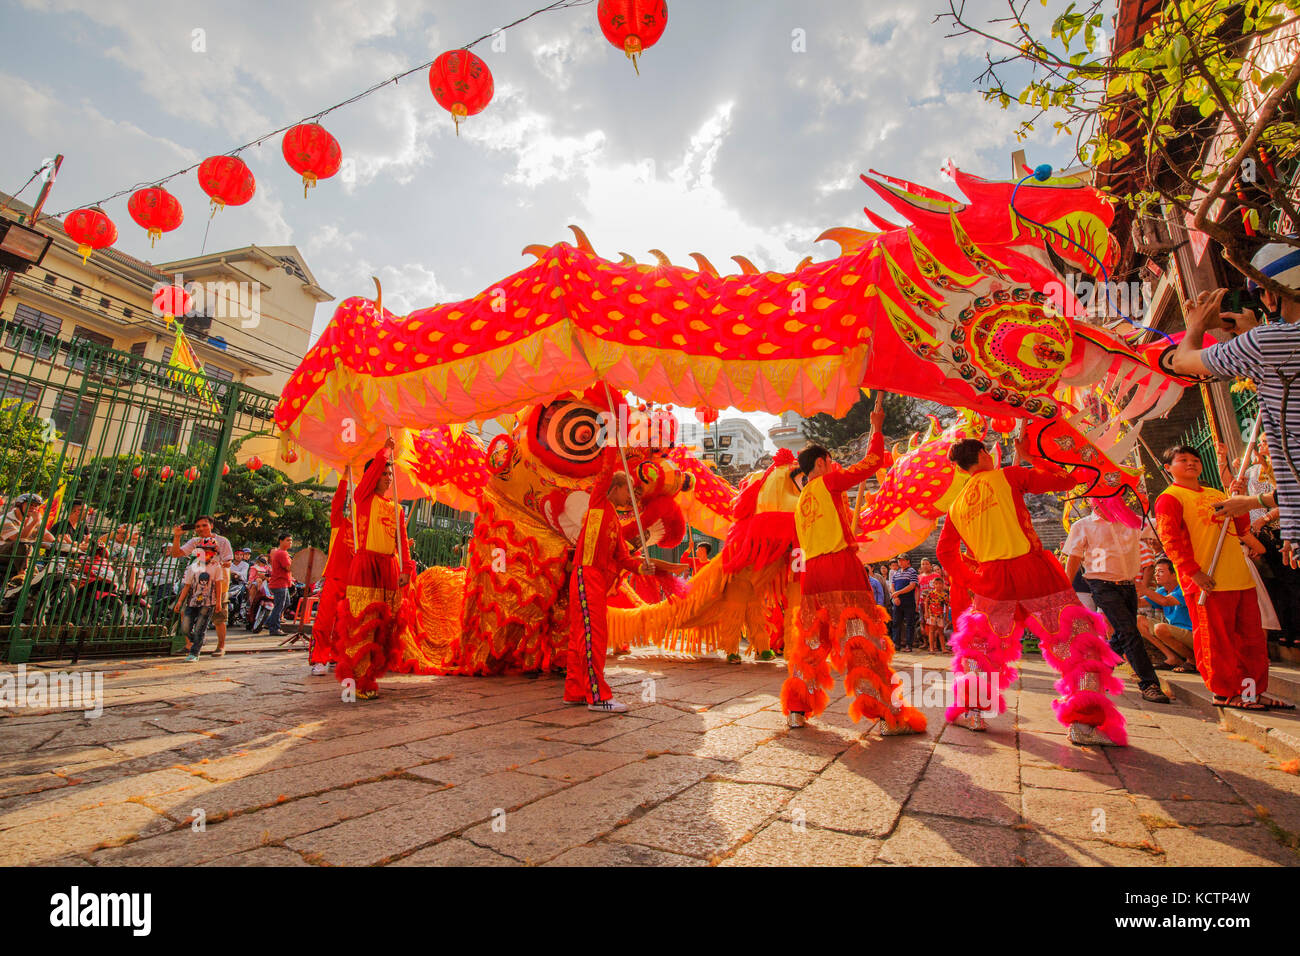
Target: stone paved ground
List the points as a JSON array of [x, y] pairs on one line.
[[499, 772]]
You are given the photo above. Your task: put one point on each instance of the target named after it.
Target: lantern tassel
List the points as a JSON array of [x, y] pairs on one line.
[[84, 251]]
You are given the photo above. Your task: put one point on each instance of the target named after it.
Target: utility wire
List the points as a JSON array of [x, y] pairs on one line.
[[313, 117]]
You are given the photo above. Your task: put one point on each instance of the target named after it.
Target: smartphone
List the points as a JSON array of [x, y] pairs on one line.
[[1238, 300]]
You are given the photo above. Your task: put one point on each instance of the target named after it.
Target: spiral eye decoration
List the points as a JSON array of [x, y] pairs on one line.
[[571, 431]]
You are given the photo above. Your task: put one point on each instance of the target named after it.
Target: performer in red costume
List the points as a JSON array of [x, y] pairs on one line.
[[336, 576], [378, 573], [599, 555], [838, 616], [1016, 584]]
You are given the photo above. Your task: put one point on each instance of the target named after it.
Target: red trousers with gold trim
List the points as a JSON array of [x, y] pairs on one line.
[[584, 678], [1228, 637]]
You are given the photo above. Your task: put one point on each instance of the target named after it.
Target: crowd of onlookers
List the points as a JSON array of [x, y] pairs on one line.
[[188, 577]]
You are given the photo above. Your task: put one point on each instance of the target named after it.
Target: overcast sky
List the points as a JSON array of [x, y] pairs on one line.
[[731, 141]]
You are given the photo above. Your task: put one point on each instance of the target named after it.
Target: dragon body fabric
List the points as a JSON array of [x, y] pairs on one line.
[[964, 307], [970, 305]]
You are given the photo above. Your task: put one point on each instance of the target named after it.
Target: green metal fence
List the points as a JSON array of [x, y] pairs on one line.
[[438, 534], [1246, 405], [141, 450]]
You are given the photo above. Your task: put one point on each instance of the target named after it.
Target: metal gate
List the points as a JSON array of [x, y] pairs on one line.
[[102, 453]]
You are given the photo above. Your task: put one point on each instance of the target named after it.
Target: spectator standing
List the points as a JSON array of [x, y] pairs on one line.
[[1269, 355], [280, 580], [1109, 555], [206, 536], [1231, 653], [904, 581], [197, 600]]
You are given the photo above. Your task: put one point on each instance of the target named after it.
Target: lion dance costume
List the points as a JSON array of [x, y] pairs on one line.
[[839, 620], [1016, 584], [367, 614]]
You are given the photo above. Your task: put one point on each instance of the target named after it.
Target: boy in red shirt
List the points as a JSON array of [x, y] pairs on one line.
[[1227, 634]]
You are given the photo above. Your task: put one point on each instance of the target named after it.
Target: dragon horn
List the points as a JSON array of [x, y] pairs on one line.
[[705, 265], [804, 263], [627, 260], [536, 249], [746, 267], [663, 259], [848, 239], [379, 295], [583, 242], [880, 222]]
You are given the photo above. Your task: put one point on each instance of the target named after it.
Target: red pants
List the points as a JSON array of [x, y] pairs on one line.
[[322, 628], [1231, 650], [584, 678]]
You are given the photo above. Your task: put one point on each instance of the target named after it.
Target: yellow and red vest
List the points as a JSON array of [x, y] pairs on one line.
[[817, 521], [985, 516]]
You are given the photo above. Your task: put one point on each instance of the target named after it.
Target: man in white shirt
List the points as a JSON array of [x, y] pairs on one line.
[[239, 569], [206, 536], [1109, 553]]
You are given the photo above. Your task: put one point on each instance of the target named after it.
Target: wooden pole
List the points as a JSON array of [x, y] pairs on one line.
[[1223, 530]]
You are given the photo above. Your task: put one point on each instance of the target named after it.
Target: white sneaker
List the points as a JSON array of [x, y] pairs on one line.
[[319, 670], [610, 706], [796, 720]]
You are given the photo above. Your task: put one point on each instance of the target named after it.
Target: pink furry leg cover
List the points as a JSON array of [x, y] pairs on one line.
[[1078, 650], [983, 663]]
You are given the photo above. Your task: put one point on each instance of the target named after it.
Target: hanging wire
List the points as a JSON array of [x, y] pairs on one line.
[[314, 117]]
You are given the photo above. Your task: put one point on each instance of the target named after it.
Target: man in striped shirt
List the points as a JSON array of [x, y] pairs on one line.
[[1269, 355]]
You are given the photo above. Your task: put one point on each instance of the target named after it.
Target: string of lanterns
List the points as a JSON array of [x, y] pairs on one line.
[[460, 81]]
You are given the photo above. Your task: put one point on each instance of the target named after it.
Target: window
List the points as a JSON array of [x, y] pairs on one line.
[[76, 290], [103, 302], [22, 390], [202, 435], [37, 333], [137, 348], [161, 430], [77, 357], [49, 279], [74, 418]]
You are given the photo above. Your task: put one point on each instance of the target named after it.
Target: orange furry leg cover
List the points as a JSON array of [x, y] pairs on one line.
[[869, 678]]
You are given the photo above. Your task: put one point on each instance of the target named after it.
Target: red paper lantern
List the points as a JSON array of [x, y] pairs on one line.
[[165, 473], [192, 473], [461, 83], [706, 415], [137, 472], [227, 181], [633, 26], [90, 229], [171, 300], [1004, 426], [311, 152], [225, 469], [155, 209], [254, 463], [289, 457]]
